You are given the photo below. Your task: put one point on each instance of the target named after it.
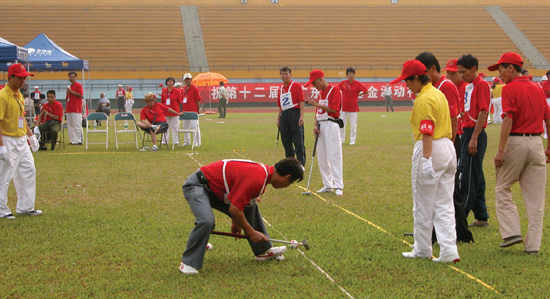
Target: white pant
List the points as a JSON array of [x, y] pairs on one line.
[[19, 166], [128, 106], [74, 127], [433, 199], [353, 124], [497, 116], [188, 123], [329, 153], [174, 124]]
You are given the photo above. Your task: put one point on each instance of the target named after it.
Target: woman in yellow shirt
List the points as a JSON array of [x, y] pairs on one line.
[[129, 100], [434, 167]]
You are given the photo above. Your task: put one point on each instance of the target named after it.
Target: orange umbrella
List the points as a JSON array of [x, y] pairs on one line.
[[208, 79]]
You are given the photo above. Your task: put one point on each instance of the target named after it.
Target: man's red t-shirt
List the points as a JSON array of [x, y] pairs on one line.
[[176, 98], [334, 101], [74, 104], [154, 114], [546, 88], [478, 101], [192, 94], [56, 109], [524, 102], [350, 94], [296, 92], [246, 180], [448, 88]]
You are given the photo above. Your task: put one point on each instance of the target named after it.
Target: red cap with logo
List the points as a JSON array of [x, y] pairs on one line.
[[452, 65], [411, 68], [510, 57], [18, 70], [314, 75]]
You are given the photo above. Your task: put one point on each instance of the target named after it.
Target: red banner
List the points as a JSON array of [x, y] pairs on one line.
[[267, 92]]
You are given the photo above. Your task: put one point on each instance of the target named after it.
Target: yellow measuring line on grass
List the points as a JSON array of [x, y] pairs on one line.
[[470, 276]]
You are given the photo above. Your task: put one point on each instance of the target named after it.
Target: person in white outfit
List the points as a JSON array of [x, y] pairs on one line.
[[129, 100], [351, 90], [327, 130], [433, 167], [16, 160], [496, 100]]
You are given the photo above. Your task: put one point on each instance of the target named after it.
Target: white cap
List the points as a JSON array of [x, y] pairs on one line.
[[36, 87], [177, 84], [544, 78], [187, 76], [119, 85]]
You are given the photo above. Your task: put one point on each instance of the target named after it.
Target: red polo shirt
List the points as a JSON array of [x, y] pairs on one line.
[[546, 88], [479, 101], [334, 101], [461, 87], [244, 179], [525, 104], [350, 94], [296, 92], [120, 93], [448, 88], [56, 109], [176, 98], [192, 94], [157, 111], [74, 104]]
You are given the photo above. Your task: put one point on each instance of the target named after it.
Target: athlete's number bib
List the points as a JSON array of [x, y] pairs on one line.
[[322, 114], [286, 99], [468, 97]]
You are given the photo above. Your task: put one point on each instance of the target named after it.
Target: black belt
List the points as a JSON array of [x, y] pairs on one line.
[[525, 134]]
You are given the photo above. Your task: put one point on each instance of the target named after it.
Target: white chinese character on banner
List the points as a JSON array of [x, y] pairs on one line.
[[373, 93], [273, 92], [215, 91], [231, 92], [399, 91], [314, 93], [410, 93]]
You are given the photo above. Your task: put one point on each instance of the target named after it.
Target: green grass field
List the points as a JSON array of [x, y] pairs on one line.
[[124, 237]]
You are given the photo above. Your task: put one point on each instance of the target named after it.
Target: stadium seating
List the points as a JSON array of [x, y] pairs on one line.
[[533, 22]]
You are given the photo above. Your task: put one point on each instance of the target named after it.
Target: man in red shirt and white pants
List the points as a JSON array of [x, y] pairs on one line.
[[233, 187], [329, 145], [75, 92], [521, 156], [191, 103], [351, 90]]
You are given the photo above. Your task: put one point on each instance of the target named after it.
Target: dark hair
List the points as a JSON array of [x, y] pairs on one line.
[[523, 71], [468, 61], [423, 78], [290, 166], [168, 79], [429, 60], [285, 69], [350, 70], [518, 68], [50, 92], [221, 83], [548, 74], [72, 73]]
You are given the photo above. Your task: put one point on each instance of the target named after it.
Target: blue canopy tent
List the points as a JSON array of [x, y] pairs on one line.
[[45, 55], [9, 54]]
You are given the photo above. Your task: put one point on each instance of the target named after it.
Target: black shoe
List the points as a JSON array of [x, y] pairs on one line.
[[511, 241], [42, 148], [80, 143]]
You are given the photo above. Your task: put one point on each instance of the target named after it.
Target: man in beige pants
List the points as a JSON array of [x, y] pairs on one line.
[[521, 155]]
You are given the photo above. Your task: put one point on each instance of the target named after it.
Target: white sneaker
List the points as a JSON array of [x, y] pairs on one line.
[[154, 148], [280, 258], [186, 144], [8, 216], [338, 192], [176, 143], [187, 269], [163, 142], [273, 252], [31, 213], [324, 190], [454, 258], [414, 255], [352, 143]]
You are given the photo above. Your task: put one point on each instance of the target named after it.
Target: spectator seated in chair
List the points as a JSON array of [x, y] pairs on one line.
[[49, 120], [104, 105], [152, 118]]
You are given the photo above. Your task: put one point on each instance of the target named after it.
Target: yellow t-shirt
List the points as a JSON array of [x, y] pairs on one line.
[[129, 95], [431, 104], [11, 108], [497, 91]]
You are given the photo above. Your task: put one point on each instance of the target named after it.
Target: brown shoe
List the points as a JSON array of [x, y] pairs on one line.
[[479, 224], [511, 241]]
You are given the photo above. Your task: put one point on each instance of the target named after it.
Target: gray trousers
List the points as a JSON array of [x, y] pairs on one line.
[[201, 205], [222, 107]]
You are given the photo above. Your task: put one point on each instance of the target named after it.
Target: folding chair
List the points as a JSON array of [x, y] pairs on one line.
[[60, 134], [126, 116], [97, 116], [147, 139], [193, 129]]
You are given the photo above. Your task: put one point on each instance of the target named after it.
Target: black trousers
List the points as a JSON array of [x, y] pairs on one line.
[[472, 178], [292, 135]]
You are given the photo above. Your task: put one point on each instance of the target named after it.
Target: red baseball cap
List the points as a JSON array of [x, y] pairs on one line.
[[452, 65], [18, 70], [497, 80], [160, 85], [482, 75], [314, 75], [510, 57], [411, 68]]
